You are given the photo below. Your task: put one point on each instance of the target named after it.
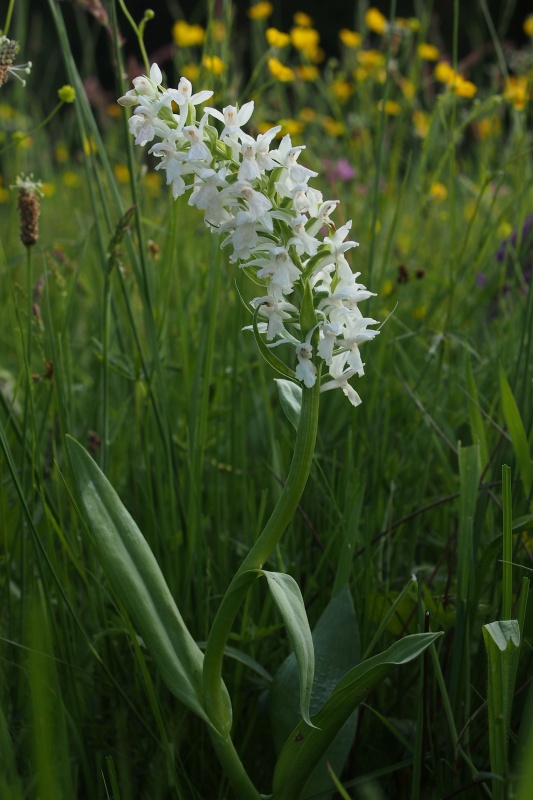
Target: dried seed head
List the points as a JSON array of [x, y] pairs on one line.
[[8, 50], [28, 206]]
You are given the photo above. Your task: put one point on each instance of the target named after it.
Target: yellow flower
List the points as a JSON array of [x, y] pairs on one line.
[[305, 39], [113, 110], [302, 19], [408, 88], [528, 25], [22, 140], [121, 173], [6, 111], [391, 107], [350, 38], [4, 195], [48, 189], [307, 114], [71, 179], [89, 146], [375, 21], [213, 64], [463, 88], [61, 152], [515, 91], [341, 90], [438, 191], [190, 71], [316, 55], [488, 126], [263, 127], [152, 182], [186, 35], [280, 71], [386, 288], [370, 59], [261, 10], [444, 73], [505, 229], [277, 38], [333, 127], [428, 52], [360, 74], [307, 72], [289, 126], [421, 123]]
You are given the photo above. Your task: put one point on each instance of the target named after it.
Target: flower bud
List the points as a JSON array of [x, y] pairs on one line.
[[28, 206]]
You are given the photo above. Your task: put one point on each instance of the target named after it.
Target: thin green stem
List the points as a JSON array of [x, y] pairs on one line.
[[139, 31], [233, 768], [8, 16]]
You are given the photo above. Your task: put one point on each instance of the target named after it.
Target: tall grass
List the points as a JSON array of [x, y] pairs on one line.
[[125, 331]]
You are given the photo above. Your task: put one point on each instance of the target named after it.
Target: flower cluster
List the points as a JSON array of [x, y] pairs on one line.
[[260, 202], [8, 50]]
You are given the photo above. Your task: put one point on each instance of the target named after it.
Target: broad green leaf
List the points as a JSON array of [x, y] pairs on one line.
[[502, 640], [213, 690], [517, 433], [337, 650], [290, 395], [289, 601], [305, 746], [275, 362], [138, 582]]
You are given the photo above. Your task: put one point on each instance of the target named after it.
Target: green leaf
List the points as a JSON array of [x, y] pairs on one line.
[[308, 318], [305, 746], [289, 601], [517, 433], [522, 524], [138, 582], [502, 640], [275, 362], [337, 649], [290, 395]]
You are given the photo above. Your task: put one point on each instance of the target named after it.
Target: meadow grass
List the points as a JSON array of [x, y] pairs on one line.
[[124, 330]]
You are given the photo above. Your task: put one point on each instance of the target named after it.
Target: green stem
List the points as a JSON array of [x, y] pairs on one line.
[[214, 697], [8, 17], [233, 768], [139, 31]]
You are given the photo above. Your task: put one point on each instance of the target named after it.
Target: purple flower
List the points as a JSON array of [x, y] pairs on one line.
[[525, 254], [340, 170]]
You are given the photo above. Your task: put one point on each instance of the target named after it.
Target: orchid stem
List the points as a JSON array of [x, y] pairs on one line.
[[215, 702]]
